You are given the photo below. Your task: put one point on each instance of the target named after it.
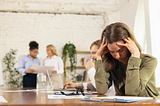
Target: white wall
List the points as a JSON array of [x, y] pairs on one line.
[[145, 25], [53, 22], [128, 9], [17, 30], [155, 25]]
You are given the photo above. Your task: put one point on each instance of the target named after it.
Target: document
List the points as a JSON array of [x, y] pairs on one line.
[[124, 99], [65, 97], [42, 69], [2, 100], [20, 90]]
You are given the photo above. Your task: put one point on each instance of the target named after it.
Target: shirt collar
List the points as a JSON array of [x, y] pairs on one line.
[[30, 56], [52, 57]]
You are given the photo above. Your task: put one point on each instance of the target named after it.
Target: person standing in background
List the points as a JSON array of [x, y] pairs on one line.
[[25, 64], [54, 60]]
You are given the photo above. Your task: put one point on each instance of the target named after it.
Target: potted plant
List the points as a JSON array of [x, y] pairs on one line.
[[69, 50], [12, 77]]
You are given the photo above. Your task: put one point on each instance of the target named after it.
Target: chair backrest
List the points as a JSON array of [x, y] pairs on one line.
[[84, 75]]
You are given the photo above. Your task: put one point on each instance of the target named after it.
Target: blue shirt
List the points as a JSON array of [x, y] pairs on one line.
[[26, 62]]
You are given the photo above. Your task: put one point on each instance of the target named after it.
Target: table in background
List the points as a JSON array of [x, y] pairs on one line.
[[40, 99]]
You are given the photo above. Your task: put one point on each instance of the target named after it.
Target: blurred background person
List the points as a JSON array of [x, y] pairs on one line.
[[54, 60], [25, 65]]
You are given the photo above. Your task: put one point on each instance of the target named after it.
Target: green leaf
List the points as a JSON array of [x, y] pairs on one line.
[[70, 50], [11, 75]]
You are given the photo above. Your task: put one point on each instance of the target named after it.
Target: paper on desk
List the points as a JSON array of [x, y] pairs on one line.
[[2, 100], [125, 98], [66, 89], [49, 92], [65, 97], [42, 69], [20, 90]]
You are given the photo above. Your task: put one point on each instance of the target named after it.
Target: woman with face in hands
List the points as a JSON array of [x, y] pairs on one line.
[[25, 65], [54, 60], [119, 58]]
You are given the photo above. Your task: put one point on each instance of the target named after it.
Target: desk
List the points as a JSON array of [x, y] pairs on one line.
[[40, 99]]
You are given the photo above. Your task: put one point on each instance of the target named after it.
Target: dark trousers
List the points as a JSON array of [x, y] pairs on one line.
[[30, 80]]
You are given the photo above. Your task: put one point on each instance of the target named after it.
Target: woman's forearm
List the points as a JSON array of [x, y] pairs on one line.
[[101, 78]]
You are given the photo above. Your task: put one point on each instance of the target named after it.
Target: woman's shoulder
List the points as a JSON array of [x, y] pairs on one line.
[[148, 58], [58, 57], [24, 56], [45, 58]]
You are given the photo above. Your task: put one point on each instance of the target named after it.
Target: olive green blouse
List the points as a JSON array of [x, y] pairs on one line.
[[136, 79]]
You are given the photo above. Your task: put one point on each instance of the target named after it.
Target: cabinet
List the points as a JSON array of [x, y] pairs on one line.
[[80, 68]]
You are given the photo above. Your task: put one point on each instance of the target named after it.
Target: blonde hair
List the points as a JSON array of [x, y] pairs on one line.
[[97, 43], [113, 33], [53, 49]]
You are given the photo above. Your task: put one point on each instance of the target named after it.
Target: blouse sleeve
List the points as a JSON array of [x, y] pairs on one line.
[[21, 67], [91, 74], [60, 66], [101, 78]]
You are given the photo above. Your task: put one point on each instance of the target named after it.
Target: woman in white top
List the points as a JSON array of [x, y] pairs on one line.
[[54, 60]]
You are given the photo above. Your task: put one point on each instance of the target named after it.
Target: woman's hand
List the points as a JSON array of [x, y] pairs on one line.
[[70, 85], [103, 49], [89, 65], [131, 46], [54, 71], [29, 71]]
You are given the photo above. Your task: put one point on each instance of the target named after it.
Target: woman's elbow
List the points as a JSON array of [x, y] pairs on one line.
[[101, 91], [131, 93]]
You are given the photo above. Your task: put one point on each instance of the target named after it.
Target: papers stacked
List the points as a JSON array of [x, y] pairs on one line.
[[65, 97], [20, 90], [2, 100], [117, 99], [43, 69]]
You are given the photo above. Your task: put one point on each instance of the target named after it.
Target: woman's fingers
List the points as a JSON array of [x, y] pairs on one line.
[[102, 50], [104, 40], [105, 44], [66, 85], [121, 44], [127, 39]]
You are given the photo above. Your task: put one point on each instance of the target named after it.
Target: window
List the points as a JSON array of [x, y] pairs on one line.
[[146, 29], [154, 9]]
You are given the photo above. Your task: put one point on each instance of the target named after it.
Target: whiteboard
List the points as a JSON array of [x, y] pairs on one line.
[[1, 75]]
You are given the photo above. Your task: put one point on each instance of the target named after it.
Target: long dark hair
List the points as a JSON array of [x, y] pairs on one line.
[[113, 33]]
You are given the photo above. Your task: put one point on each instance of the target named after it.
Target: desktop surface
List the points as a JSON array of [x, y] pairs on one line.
[[37, 98]]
